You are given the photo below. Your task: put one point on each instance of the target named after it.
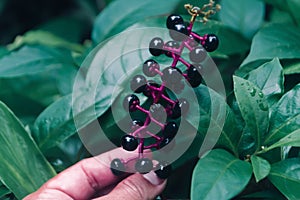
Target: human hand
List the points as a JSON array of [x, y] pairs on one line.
[[92, 178]]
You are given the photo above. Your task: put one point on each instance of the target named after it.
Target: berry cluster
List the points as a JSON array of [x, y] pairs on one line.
[[163, 111]]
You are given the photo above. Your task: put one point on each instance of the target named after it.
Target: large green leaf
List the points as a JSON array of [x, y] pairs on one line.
[[294, 7], [24, 168], [44, 38], [261, 167], [291, 139], [219, 175], [40, 73], [273, 41], [286, 116], [121, 14], [253, 107], [269, 78], [281, 4], [244, 16], [285, 175]]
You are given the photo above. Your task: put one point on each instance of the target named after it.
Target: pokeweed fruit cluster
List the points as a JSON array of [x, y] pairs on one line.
[[163, 110]]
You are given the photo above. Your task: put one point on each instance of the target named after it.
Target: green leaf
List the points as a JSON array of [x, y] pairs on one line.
[[291, 66], [253, 107], [294, 7], [281, 4], [128, 13], [3, 190], [269, 78], [244, 16], [291, 139], [274, 41], [285, 175], [261, 167], [43, 38], [219, 175], [286, 116], [24, 169]]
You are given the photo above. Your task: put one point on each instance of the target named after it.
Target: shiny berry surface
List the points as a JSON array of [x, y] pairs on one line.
[[171, 45], [211, 42], [179, 32], [148, 90], [129, 142], [176, 111], [138, 83], [117, 167], [150, 67], [171, 75], [143, 165], [198, 54], [193, 75], [130, 102], [163, 170], [170, 130], [184, 106], [156, 46], [174, 19]]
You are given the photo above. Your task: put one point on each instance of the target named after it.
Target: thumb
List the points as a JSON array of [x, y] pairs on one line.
[[137, 187]]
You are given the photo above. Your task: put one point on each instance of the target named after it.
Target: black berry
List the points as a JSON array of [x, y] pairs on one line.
[[171, 75], [179, 32], [129, 142], [138, 83], [143, 165], [156, 46], [150, 67], [193, 75], [174, 19], [171, 45], [170, 130], [148, 90], [184, 106], [211, 42], [176, 111], [198, 54], [163, 170], [130, 102], [166, 141], [117, 167]]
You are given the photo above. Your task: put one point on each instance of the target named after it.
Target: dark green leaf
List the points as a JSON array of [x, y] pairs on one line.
[[261, 167], [24, 169], [294, 7], [279, 16], [253, 107], [281, 4], [43, 38], [3, 191], [269, 78], [128, 13], [274, 41], [291, 66], [285, 175], [245, 16], [286, 116], [219, 175]]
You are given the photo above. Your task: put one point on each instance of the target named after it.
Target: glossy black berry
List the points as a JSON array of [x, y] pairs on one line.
[[143, 165], [193, 75], [171, 45], [170, 130], [138, 83], [211, 42], [176, 111], [117, 167], [136, 123], [163, 170], [129, 142], [179, 32], [174, 19], [171, 75], [184, 106], [150, 67], [156, 46], [198, 54], [165, 143], [148, 90], [158, 112], [130, 102]]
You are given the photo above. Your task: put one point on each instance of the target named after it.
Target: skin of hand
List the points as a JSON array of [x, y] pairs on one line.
[[92, 178]]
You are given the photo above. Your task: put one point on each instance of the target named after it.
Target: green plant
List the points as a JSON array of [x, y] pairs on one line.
[[257, 154]]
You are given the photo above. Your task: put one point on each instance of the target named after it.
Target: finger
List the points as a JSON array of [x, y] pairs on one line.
[[87, 177], [137, 187]]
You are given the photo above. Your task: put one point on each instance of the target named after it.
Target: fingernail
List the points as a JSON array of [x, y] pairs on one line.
[[152, 178]]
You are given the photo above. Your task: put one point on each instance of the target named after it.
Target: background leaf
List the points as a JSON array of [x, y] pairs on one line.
[[19, 165], [253, 107], [285, 175], [215, 176], [261, 167], [286, 116], [245, 16]]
